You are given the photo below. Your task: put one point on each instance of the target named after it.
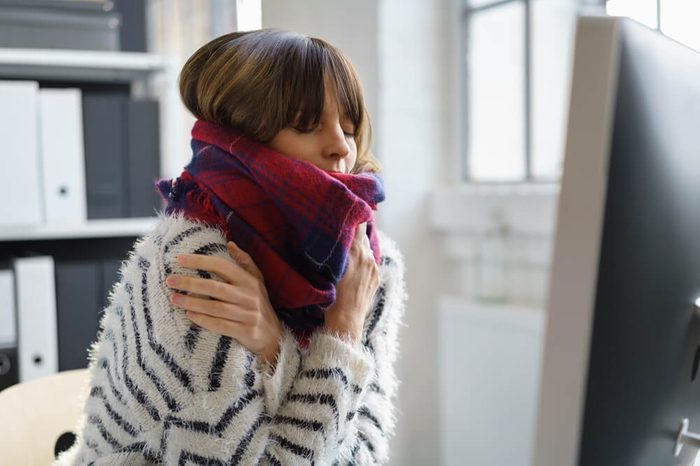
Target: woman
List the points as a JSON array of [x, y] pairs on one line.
[[258, 323]]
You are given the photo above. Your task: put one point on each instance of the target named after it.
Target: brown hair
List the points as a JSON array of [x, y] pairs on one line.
[[258, 81]]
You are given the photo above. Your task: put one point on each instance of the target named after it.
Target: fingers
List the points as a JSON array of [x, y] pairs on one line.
[[365, 238], [361, 239], [215, 309], [229, 271], [215, 324], [205, 287]]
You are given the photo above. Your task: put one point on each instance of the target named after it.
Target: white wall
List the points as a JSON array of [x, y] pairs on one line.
[[414, 150]]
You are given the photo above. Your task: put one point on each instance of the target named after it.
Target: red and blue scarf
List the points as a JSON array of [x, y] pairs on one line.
[[296, 221]]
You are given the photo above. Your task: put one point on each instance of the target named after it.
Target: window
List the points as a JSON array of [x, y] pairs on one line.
[[675, 18], [516, 82], [516, 76], [248, 15]]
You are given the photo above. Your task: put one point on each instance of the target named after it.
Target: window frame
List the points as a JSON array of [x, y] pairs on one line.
[[466, 11]]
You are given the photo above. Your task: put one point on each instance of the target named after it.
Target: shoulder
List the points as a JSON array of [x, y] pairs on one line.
[[175, 234], [193, 350]]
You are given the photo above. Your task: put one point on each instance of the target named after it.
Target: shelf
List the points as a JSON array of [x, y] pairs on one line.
[[107, 228], [78, 64]]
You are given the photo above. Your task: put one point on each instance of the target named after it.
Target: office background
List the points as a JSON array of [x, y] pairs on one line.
[[468, 100]]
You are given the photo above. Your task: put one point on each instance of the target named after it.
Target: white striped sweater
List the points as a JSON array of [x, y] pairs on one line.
[[165, 391]]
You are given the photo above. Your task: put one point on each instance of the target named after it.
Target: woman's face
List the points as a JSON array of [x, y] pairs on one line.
[[330, 145]]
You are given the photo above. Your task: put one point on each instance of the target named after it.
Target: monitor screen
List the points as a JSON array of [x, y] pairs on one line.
[[622, 343]]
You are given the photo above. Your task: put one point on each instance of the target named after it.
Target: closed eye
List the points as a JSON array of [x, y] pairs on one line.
[[303, 130], [348, 129]]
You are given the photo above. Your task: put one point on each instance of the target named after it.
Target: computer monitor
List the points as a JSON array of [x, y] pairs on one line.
[[622, 340]]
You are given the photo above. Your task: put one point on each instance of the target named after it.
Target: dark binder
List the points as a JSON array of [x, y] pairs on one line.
[[79, 288], [110, 276], [133, 26], [9, 373], [9, 368], [105, 165], [143, 157]]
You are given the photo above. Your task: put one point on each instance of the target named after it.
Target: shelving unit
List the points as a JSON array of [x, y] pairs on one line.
[[133, 68], [79, 65], [107, 228], [86, 256]]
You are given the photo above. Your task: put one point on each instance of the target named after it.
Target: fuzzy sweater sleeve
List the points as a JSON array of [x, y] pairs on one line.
[[374, 423], [165, 391]]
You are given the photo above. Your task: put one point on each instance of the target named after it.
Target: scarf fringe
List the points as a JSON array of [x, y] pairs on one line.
[[198, 197]]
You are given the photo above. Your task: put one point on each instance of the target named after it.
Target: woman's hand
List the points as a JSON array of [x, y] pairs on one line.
[[355, 291], [238, 307]]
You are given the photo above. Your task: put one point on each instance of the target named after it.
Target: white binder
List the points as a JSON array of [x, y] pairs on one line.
[[19, 156], [8, 332], [36, 317], [62, 155]]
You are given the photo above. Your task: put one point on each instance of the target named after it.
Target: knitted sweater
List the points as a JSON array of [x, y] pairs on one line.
[[165, 391]]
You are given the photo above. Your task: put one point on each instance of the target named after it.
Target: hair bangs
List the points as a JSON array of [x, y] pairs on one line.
[[348, 89], [304, 72], [318, 61]]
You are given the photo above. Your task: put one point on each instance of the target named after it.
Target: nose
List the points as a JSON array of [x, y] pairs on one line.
[[337, 145]]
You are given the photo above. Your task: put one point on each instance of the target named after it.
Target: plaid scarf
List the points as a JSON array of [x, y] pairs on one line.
[[296, 221]]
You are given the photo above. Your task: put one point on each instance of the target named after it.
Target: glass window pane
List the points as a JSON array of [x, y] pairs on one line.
[[248, 14], [496, 93], [552, 39], [643, 11], [679, 20]]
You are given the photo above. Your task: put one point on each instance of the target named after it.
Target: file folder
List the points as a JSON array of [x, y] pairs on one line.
[[105, 155], [143, 157], [36, 317], [8, 367], [78, 294], [8, 330], [62, 156], [8, 327], [20, 154]]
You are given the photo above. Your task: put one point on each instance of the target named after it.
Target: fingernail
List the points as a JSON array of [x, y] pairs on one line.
[[172, 281]]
